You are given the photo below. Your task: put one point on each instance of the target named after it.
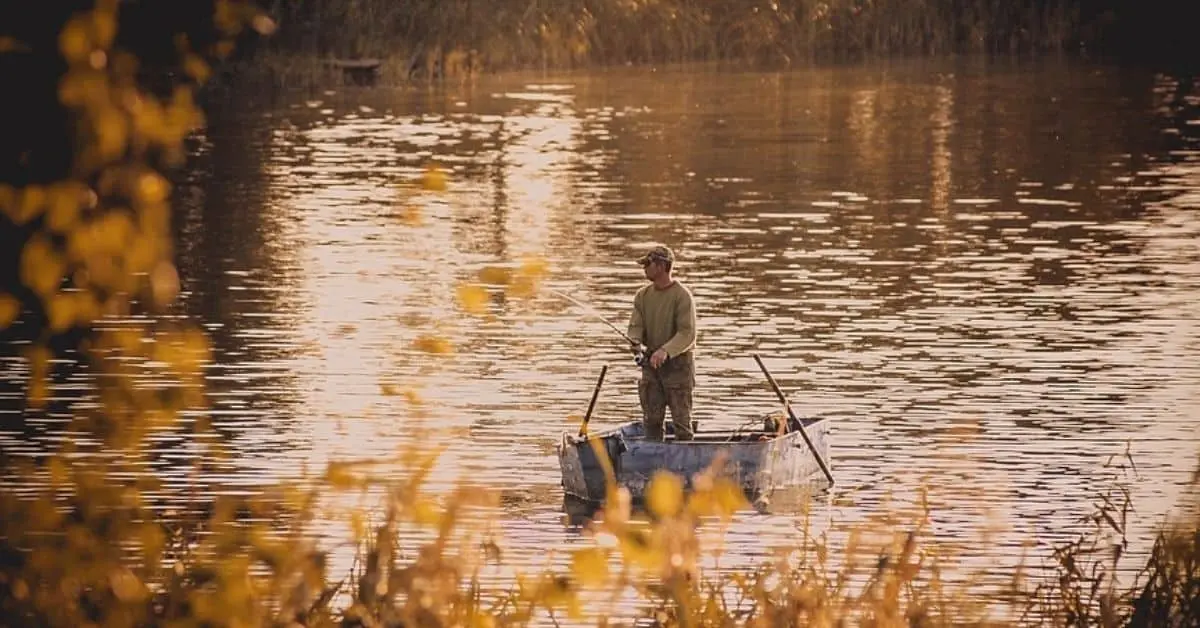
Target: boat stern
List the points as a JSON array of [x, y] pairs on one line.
[[583, 472]]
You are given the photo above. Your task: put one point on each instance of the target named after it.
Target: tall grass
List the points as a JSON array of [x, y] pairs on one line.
[[526, 34]]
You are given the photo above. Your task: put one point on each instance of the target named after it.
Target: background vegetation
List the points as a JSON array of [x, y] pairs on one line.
[[105, 102], [774, 33]]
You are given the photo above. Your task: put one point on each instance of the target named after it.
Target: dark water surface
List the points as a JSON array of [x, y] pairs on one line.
[[985, 276]]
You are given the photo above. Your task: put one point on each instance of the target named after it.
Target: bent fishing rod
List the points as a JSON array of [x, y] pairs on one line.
[[640, 352], [595, 315]]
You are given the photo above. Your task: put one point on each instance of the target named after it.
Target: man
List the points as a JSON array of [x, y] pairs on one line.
[[664, 320]]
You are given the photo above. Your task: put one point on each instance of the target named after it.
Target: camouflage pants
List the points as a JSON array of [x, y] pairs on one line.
[[670, 385]]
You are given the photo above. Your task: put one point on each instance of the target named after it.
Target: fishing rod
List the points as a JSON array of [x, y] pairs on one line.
[[639, 355]]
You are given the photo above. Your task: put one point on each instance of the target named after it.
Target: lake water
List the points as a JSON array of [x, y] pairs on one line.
[[983, 274]]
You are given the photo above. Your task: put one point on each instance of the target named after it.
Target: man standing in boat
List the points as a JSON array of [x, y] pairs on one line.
[[664, 320]]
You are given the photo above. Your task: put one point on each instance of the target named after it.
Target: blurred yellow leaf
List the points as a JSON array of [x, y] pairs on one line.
[[41, 267], [412, 396], [164, 283], [24, 204], [226, 17], [426, 512], [187, 351], [196, 68], [589, 566], [104, 28], [664, 495], [472, 298], [73, 40], [223, 49], [432, 344], [389, 390], [338, 475], [494, 275], [39, 372], [729, 497], [60, 312], [534, 267], [263, 24], [79, 87], [358, 526], [112, 133], [10, 308], [638, 549], [63, 203], [523, 287], [152, 188], [434, 178]]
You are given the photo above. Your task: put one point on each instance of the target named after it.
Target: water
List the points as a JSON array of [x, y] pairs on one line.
[[984, 275]]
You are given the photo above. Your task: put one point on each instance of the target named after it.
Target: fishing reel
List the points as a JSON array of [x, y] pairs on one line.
[[641, 355]]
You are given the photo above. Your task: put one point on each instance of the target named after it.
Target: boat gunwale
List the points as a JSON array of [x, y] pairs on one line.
[[576, 439]]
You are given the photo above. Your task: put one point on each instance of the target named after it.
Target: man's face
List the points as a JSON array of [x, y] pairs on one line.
[[653, 269]]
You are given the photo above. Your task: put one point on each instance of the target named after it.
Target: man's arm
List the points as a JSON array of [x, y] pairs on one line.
[[685, 326]]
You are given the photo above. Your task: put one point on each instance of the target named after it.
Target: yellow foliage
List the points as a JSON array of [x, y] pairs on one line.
[[103, 26], [434, 178], [112, 133], [472, 298], [433, 344], [664, 495], [358, 526], [10, 308], [42, 268], [196, 68], [60, 310], [63, 205], [164, 283], [74, 41], [152, 188], [263, 24], [589, 566], [495, 275], [534, 267], [339, 476], [24, 204], [81, 88]]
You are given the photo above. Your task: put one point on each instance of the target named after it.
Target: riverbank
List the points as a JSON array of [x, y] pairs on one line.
[[424, 42]]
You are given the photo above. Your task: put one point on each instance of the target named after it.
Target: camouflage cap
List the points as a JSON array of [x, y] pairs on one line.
[[657, 254]]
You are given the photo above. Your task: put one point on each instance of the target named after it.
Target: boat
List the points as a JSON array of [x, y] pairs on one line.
[[782, 451], [762, 460]]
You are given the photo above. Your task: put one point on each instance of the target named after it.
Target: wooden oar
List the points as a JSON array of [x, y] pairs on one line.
[[800, 424], [592, 405]]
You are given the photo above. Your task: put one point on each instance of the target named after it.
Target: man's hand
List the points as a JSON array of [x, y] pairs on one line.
[[658, 358]]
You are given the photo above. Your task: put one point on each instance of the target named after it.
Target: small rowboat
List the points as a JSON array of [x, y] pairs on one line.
[[761, 461], [786, 452]]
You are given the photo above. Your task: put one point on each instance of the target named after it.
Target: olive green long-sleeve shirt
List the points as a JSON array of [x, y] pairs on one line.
[[664, 319]]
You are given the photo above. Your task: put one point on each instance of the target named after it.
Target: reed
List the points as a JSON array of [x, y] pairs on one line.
[[510, 34]]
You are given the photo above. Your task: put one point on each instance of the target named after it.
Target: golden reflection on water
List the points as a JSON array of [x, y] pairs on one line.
[[984, 277]]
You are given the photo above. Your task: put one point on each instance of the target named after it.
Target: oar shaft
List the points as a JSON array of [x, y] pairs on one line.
[[592, 405], [792, 415]]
